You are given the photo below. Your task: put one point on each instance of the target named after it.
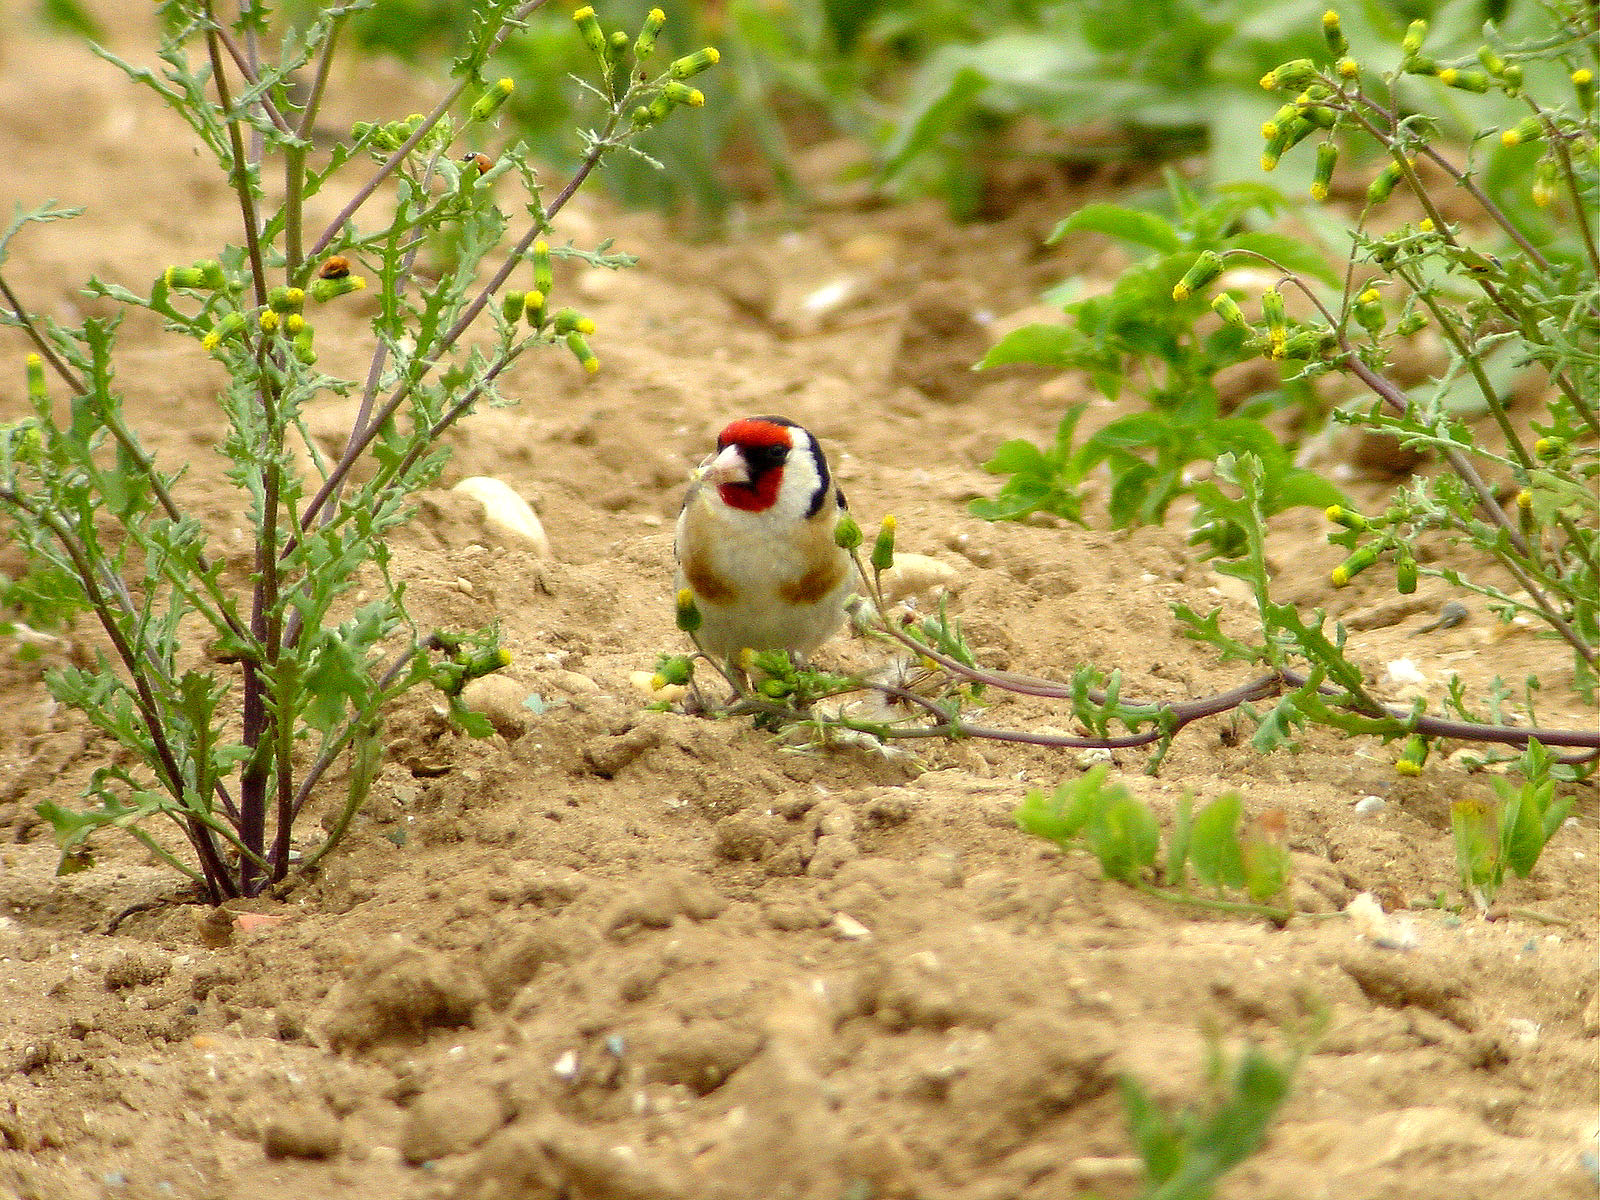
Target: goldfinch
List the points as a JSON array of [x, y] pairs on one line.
[[755, 543]]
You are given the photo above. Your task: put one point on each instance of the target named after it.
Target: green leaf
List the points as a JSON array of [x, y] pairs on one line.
[[1291, 253], [1521, 830], [1056, 346], [1178, 841], [1061, 817], [1019, 457], [929, 115], [1129, 224], [69, 17], [1214, 843], [1125, 838], [1158, 1142]]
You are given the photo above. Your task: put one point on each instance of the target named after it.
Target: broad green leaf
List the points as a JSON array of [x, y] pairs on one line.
[[1019, 457], [1214, 843], [1129, 224], [1521, 830], [1058, 346]]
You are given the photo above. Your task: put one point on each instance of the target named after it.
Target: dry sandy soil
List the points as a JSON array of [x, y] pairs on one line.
[[611, 953]]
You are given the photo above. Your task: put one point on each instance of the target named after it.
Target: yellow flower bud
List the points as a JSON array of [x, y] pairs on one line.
[[589, 27], [486, 105], [688, 611], [36, 385], [646, 43], [1527, 130], [692, 64]]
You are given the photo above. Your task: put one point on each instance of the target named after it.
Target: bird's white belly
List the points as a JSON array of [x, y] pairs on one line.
[[757, 567]]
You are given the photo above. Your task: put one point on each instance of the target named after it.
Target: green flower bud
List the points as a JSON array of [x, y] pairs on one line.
[[303, 349], [1353, 566], [189, 278], [642, 117], [1348, 68], [673, 669], [283, 300], [846, 533], [1273, 128], [1411, 323], [1307, 343], [512, 305], [883, 548], [1511, 77], [775, 689], [1491, 61], [1381, 188], [682, 93], [1322, 177], [1333, 35], [1405, 572], [1465, 81], [1206, 268], [484, 662], [688, 611], [589, 27], [1369, 311], [231, 325], [1289, 136], [1226, 307], [692, 64], [1292, 75], [323, 290], [569, 320], [1413, 756], [1272, 310], [645, 46], [1526, 131], [658, 110], [1546, 179], [1417, 64], [616, 46], [1349, 518], [533, 306], [486, 105], [581, 352], [36, 387], [1583, 85], [544, 278], [1415, 35]]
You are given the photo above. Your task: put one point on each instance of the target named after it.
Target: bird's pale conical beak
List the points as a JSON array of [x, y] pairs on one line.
[[727, 467]]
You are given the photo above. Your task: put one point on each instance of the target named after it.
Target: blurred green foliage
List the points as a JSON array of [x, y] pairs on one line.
[[941, 94]]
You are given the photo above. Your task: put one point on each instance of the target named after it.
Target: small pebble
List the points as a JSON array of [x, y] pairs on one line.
[[1369, 806], [850, 929]]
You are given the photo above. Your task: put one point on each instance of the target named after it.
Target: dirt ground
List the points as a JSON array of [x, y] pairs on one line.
[[610, 953]]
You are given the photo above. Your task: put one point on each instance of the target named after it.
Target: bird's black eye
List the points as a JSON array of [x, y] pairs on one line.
[[762, 459]]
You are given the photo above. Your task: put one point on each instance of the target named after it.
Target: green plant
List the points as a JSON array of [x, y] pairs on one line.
[[1121, 831], [1187, 1153], [1512, 833], [1147, 336], [230, 744], [1536, 305]]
